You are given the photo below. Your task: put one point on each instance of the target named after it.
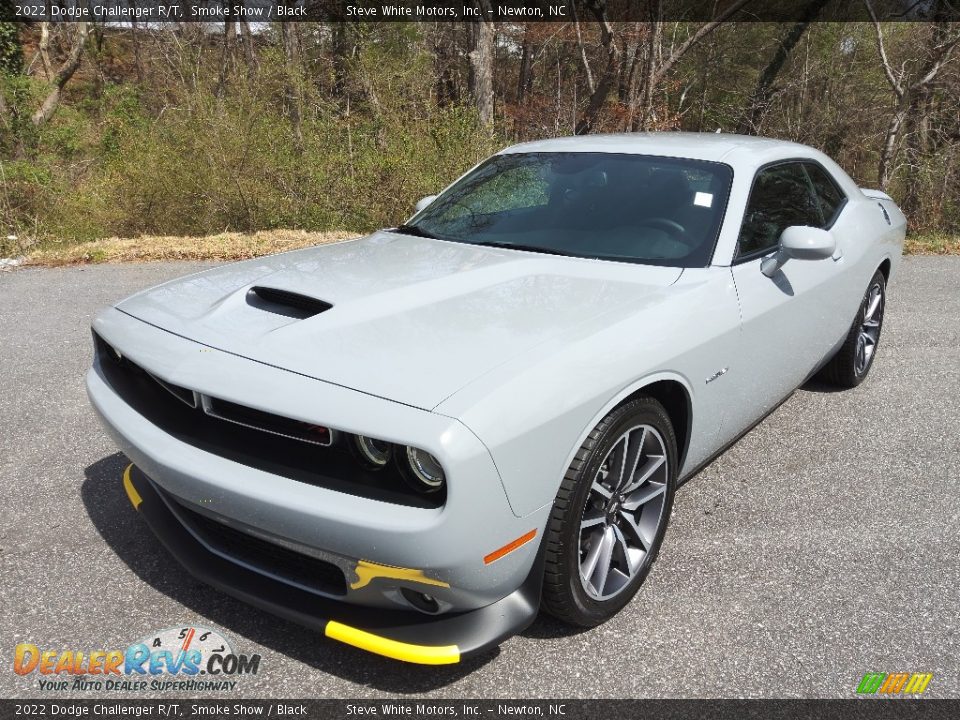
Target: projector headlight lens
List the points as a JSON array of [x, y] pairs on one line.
[[374, 453], [424, 471]]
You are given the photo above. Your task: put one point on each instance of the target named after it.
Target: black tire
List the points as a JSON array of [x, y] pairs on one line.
[[847, 368], [564, 594]]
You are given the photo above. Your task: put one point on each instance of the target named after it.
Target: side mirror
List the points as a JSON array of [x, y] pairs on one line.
[[800, 243], [423, 202]]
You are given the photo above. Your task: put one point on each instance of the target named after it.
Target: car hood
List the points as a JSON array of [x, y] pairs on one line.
[[411, 319]]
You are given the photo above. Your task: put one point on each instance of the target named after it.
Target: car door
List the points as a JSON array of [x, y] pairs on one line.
[[789, 322]]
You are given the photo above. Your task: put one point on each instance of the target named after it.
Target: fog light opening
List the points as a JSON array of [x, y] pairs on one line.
[[422, 471], [372, 453], [421, 601]]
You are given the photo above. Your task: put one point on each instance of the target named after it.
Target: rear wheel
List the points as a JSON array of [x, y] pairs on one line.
[[611, 514], [850, 366]]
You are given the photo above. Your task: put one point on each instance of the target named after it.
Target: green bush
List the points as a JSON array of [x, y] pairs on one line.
[[199, 164], [11, 51]]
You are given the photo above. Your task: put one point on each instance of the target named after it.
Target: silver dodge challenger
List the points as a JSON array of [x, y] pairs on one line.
[[413, 441]]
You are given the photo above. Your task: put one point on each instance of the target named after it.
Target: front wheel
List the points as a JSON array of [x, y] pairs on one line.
[[849, 367], [610, 515]]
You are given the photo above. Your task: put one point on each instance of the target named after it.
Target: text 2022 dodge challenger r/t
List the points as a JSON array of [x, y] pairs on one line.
[[414, 440]]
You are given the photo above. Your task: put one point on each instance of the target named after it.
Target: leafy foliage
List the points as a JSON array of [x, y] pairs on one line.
[[170, 131], [11, 52]]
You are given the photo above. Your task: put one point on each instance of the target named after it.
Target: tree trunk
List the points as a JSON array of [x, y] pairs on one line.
[[443, 48], [63, 75], [643, 101], [625, 73], [657, 70], [915, 123], [583, 53], [598, 97], [907, 90], [889, 150], [481, 64], [762, 93], [43, 48], [640, 108], [341, 50], [248, 49], [226, 55], [525, 79], [292, 98], [135, 37]]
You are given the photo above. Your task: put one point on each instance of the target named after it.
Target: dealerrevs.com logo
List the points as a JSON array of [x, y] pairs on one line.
[[188, 659]]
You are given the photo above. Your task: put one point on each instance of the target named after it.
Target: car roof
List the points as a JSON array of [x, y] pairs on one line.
[[717, 147]]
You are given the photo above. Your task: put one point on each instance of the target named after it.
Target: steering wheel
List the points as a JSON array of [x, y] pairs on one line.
[[669, 226]]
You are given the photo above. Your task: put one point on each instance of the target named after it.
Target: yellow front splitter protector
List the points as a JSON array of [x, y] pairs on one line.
[[422, 654], [459, 635]]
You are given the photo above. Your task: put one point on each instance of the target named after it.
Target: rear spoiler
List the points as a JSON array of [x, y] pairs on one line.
[[876, 194]]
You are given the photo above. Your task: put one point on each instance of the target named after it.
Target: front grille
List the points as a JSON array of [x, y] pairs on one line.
[[267, 557], [271, 443], [181, 393], [268, 422]]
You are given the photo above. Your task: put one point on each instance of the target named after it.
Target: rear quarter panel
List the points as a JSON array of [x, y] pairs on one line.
[[866, 239]]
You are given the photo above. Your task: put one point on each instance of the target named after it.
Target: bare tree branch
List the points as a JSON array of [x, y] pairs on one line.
[[701, 33], [599, 95], [63, 75], [583, 53], [764, 91], [292, 97], [226, 56], [884, 61], [940, 58], [43, 50]]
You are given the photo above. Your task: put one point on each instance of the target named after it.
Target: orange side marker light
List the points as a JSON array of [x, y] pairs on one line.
[[510, 547]]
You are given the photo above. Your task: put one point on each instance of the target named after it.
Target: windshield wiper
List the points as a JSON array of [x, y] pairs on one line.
[[519, 246], [414, 230]]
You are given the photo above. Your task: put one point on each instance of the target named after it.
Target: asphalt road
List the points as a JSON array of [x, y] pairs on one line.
[[822, 546]]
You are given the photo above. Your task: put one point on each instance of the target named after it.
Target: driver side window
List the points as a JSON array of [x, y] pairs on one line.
[[781, 196]]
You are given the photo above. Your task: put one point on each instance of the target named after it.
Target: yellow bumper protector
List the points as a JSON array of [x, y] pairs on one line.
[[367, 571], [132, 493], [407, 652]]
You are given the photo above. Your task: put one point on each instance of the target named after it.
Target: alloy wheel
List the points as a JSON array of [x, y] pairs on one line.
[[869, 329], [623, 512]]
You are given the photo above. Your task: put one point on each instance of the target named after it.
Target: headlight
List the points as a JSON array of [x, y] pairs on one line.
[[373, 453], [422, 470]]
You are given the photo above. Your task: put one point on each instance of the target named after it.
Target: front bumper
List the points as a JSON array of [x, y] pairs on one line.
[[398, 634], [447, 545], [382, 551]]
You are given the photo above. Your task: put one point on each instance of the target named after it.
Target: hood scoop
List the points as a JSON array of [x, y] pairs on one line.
[[284, 302]]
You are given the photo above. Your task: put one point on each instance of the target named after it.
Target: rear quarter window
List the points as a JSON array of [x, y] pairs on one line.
[[781, 196], [828, 193]]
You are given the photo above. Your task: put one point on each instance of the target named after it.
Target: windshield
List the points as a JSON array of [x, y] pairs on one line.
[[631, 208]]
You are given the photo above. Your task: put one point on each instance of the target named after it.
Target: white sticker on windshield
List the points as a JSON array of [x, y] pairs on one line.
[[703, 199]]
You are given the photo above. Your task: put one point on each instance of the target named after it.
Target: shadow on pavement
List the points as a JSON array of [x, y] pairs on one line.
[[546, 627], [816, 385], [133, 542]]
